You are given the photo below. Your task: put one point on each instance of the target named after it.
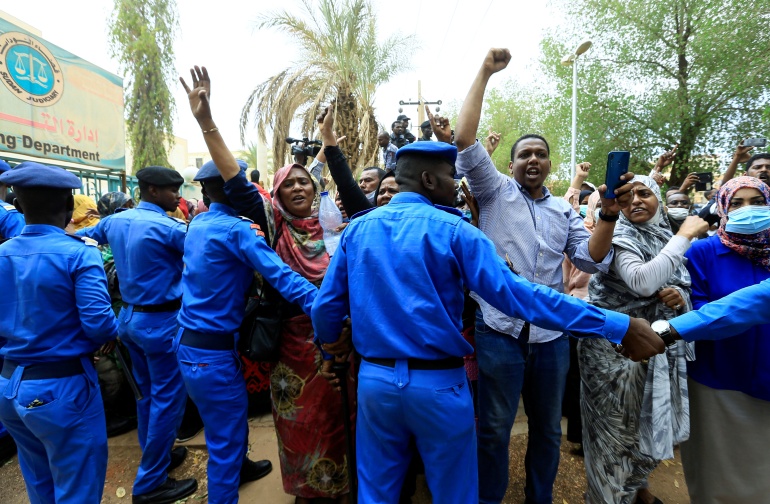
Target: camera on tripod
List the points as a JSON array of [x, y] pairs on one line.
[[304, 146]]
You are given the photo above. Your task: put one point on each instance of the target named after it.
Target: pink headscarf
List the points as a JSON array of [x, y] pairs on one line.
[[754, 247]]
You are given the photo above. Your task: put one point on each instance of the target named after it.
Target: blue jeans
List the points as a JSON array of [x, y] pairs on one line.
[[510, 367]]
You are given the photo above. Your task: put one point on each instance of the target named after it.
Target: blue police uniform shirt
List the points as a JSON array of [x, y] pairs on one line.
[[147, 246], [11, 221], [55, 305], [221, 253], [420, 258]]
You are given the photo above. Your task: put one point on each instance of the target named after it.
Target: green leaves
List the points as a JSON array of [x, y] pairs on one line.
[[141, 39]]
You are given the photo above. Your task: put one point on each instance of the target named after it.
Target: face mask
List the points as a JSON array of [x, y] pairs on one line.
[[596, 214], [583, 210], [678, 214], [749, 220]]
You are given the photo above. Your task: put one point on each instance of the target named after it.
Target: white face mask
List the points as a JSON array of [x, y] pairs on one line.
[[596, 215], [678, 214]]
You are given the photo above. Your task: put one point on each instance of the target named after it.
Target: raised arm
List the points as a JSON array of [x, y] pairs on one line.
[[741, 155], [470, 113], [201, 110], [353, 198]]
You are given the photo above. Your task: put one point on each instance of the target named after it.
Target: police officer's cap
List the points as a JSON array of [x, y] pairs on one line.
[[402, 117], [4, 167], [160, 176], [425, 124], [209, 171], [30, 174], [440, 150]]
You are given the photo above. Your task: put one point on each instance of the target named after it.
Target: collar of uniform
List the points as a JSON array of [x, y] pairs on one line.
[[523, 190], [41, 229], [409, 197], [146, 205], [225, 209]]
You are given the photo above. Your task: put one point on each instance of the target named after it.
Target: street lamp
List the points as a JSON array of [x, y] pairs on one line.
[[571, 59]]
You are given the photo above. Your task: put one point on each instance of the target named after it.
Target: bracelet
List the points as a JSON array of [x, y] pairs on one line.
[[608, 218], [212, 130]]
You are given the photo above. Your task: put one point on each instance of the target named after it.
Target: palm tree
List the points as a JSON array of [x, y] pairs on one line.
[[249, 155], [341, 61]]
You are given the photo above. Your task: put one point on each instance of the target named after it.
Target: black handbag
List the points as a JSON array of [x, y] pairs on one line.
[[261, 327]]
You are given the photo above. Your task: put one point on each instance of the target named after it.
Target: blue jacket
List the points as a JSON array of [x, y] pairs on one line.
[[420, 258], [11, 221], [55, 305]]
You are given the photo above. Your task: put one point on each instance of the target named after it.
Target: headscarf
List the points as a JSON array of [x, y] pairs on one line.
[[299, 240], [79, 218], [753, 247], [110, 202], [664, 416], [593, 202]]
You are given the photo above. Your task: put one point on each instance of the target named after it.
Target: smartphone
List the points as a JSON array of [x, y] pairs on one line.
[[755, 142], [705, 181], [617, 165]]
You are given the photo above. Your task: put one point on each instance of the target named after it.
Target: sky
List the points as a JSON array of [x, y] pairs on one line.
[[452, 38]]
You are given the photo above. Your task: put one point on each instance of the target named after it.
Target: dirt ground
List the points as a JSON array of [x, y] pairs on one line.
[[667, 482]]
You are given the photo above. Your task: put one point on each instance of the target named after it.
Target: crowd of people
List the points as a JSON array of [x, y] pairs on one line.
[[454, 291]]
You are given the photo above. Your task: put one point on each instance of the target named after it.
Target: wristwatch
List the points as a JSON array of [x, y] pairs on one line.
[[608, 218], [663, 329]]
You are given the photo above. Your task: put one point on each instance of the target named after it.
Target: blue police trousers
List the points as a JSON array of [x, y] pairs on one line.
[[215, 383], [434, 409], [149, 338], [62, 442]]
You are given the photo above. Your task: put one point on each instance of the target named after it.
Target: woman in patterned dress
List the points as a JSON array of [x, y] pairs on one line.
[[634, 413], [306, 409]]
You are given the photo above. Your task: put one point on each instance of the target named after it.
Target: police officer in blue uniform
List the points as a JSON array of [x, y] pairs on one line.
[[11, 221], [221, 252], [148, 246], [54, 313], [413, 390]]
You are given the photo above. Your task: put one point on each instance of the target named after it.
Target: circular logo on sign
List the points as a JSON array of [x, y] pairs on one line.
[[29, 70]]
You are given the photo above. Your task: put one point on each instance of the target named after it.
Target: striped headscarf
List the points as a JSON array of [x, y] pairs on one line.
[[754, 247]]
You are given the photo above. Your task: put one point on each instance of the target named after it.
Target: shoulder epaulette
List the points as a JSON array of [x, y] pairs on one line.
[[451, 210], [245, 218], [362, 213], [88, 241], [8, 207], [181, 221]]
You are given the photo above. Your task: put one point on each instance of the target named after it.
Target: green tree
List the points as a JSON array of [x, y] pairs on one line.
[[249, 155], [686, 72], [141, 38], [341, 60]]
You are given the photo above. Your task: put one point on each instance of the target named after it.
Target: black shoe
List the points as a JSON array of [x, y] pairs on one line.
[[120, 425], [252, 471], [8, 449], [169, 492], [178, 455]]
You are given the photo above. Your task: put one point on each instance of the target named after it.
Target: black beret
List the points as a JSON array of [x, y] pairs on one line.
[[160, 176], [425, 124]]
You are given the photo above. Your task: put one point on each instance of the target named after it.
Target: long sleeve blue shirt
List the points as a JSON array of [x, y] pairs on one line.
[[147, 246], [11, 221], [400, 270], [55, 305], [222, 251], [740, 362]]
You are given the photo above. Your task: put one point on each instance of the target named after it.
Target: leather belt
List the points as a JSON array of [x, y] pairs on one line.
[[44, 371], [421, 364], [207, 341], [157, 308]]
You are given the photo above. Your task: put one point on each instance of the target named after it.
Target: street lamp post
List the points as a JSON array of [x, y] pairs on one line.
[[571, 59]]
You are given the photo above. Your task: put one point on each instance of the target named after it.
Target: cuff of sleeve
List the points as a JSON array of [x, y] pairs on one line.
[[582, 253], [686, 325], [616, 326], [236, 182]]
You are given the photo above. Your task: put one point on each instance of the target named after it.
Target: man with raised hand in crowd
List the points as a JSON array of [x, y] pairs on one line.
[[412, 383], [54, 313], [148, 246], [369, 180], [534, 229]]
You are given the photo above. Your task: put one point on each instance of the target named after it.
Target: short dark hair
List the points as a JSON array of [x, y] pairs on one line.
[[396, 122], [39, 203], [525, 137], [410, 166], [255, 175], [672, 188], [380, 171], [755, 157]]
